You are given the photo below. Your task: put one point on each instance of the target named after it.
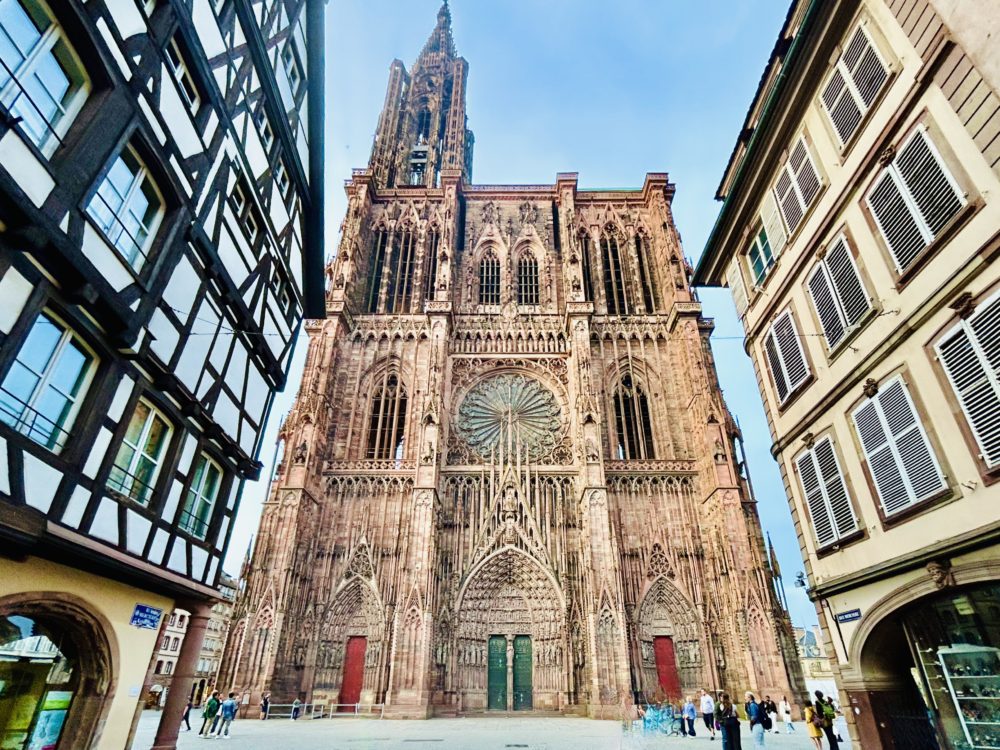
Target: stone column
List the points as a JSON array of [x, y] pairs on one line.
[[510, 671], [184, 673]]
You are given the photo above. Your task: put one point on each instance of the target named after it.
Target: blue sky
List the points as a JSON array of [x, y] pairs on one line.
[[611, 90]]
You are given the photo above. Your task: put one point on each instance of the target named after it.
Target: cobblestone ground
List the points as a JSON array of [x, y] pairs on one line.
[[493, 733]]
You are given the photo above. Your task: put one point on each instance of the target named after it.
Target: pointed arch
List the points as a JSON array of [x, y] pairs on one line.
[[615, 291], [528, 283], [376, 267], [645, 268], [430, 274], [633, 424], [489, 278], [399, 293], [387, 413], [586, 264], [665, 613]]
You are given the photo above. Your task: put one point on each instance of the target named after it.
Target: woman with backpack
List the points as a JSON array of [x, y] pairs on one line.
[[814, 724], [825, 709], [757, 715], [729, 723]]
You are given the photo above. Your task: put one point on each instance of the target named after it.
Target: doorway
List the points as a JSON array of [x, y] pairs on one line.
[[496, 678], [354, 673], [666, 666], [522, 673]]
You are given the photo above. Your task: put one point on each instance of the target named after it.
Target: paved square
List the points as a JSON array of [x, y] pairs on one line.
[[490, 733]]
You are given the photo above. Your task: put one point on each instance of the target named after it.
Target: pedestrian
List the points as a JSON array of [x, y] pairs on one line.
[[772, 713], [729, 724], [265, 705], [296, 707], [785, 710], [708, 711], [757, 717], [689, 714], [186, 718], [829, 713], [829, 701], [227, 712], [209, 713], [814, 724]]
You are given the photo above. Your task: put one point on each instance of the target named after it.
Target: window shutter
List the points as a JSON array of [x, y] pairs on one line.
[[857, 78], [797, 185], [843, 110], [826, 306], [735, 281], [784, 350], [899, 454], [971, 358], [806, 177], [851, 292], [812, 489], [931, 187], [773, 228], [866, 69], [892, 214], [788, 201]]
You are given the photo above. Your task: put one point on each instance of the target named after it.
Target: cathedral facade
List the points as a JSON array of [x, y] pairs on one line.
[[510, 479]]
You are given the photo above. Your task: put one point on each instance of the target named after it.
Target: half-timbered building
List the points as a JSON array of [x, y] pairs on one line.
[[511, 481], [160, 243]]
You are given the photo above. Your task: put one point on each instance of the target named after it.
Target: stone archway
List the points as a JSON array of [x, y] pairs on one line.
[[511, 594], [666, 613], [356, 612], [84, 667]]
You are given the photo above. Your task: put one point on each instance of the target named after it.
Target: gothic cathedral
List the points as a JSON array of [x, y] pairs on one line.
[[510, 479]]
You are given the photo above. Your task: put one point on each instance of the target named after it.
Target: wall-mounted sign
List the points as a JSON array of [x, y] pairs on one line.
[[849, 616], [144, 616]]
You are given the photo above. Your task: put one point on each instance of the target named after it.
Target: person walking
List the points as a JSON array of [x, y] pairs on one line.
[[689, 713], [836, 729], [828, 713], [814, 724], [265, 705], [756, 716], [729, 724], [186, 718], [208, 714], [772, 713], [785, 711], [227, 712], [296, 707], [708, 711]]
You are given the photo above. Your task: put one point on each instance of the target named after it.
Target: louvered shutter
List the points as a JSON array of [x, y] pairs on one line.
[[971, 358], [899, 454], [788, 200], [839, 502], [798, 184], [850, 290], [812, 489], [806, 177], [735, 281], [773, 227], [826, 306], [784, 351], [843, 110], [867, 71], [895, 221], [931, 187], [857, 78]]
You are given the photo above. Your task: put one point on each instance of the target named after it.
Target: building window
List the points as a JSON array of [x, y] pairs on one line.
[[786, 356], [199, 503], [140, 454], [181, 70], [857, 78], [264, 128], [127, 207], [970, 354], [42, 391], [760, 259], [281, 177], [375, 270], [159, 667], [826, 493], [632, 422], [175, 644], [181, 621], [41, 79], [585, 266], [527, 279], [292, 69], [400, 291], [387, 420], [900, 458], [173, 618], [797, 186], [614, 277], [165, 645], [914, 199], [645, 276], [838, 294], [433, 242], [168, 668], [489, 279]]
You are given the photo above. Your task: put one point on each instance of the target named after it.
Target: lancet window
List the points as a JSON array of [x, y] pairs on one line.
[[433, 241], [527, 279], [632, 422], [489, 279], [645, 275], [401, 279], [387, 419], [375, 268], [588, 280], [614, 275]]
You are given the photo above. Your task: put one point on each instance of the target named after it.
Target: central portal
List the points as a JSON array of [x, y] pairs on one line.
[[522, 672], [496, 682], [503, 677]]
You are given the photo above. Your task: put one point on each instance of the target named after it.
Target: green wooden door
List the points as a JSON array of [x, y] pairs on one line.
[[522, 672], [496, 682]]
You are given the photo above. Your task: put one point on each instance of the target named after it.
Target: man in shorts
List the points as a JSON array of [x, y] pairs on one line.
[[708, 711]]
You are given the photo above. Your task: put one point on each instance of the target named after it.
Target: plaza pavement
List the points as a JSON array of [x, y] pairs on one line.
[[485, 733]]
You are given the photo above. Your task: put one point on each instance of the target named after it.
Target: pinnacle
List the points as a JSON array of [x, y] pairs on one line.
[[441, 40]]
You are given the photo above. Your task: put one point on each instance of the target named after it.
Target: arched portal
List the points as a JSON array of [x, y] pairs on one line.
[[512, 609], [57, 658], [669, 642]]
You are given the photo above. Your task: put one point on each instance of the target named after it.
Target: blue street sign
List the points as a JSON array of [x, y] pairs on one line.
[[144, 616], [849, 616]]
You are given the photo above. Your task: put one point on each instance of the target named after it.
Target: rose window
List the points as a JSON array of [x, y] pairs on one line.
[[510, 414]]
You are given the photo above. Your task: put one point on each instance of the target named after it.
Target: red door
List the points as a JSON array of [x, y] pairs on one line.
[[666, 666], [354, 673]]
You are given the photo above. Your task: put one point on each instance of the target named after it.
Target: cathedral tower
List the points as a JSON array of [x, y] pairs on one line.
[[510, 480]]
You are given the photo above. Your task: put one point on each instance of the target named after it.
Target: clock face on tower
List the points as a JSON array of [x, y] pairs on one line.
[[510, 413]]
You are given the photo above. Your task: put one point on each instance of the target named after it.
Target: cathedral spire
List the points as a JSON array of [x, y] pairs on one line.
[[441, 40]]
